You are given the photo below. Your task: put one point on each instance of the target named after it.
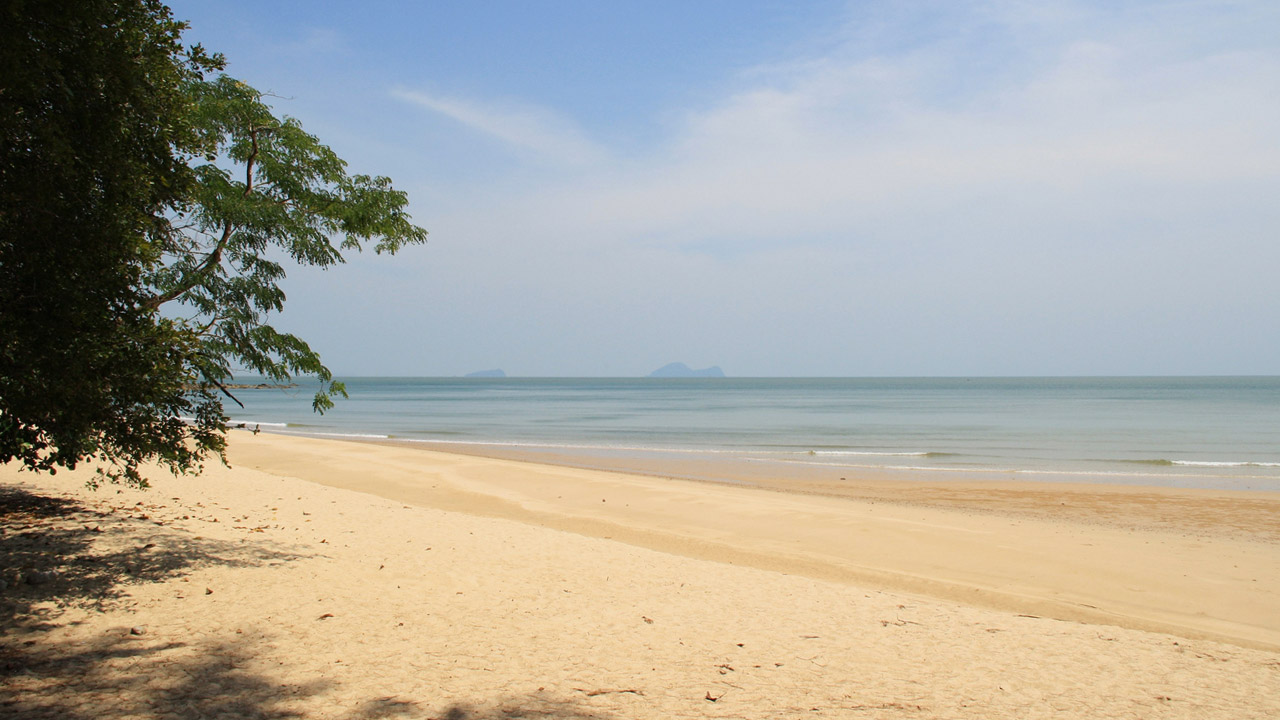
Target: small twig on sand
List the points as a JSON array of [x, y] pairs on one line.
[[593, 693]]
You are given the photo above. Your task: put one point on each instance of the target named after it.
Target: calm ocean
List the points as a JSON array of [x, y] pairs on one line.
[[1216, 432]]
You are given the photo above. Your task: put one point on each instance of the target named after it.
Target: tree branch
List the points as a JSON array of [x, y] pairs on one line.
[[209, 325], [227, 392], [215, 255]]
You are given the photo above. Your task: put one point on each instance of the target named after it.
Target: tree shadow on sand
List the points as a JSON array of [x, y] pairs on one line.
[[120, 675], [57, 554], [523, 708]]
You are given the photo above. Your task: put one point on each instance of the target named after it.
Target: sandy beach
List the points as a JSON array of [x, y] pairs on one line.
[[329, 579]]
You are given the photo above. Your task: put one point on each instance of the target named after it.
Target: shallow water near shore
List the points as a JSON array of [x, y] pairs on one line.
[[1212, 432]]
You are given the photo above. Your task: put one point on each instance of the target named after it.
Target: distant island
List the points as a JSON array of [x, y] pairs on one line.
[[486, 374], [680, 370]]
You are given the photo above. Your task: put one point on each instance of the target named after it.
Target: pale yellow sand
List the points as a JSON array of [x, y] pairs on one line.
[[474, 588]]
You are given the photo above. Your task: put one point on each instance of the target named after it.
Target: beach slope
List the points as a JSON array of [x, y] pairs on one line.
[[328, 579]]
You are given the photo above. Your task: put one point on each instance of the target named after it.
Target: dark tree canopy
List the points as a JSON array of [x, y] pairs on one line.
[[145, 208]]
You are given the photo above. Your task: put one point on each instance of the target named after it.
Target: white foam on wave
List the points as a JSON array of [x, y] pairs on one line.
[[863, 453], [1241, 463], [996, 470], [573, 446], [317, 433], [600, 447], [277, 428], [362, 436], [864, 466]]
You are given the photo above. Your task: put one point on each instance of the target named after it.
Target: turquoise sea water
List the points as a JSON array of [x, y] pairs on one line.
[[1221, 432]]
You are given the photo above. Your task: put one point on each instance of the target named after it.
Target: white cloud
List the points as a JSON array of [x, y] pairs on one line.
[[318, 41], [526, 128], [848, 145], [872, 211]]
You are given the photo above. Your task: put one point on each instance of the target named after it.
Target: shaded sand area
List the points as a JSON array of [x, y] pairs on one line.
[[341, 580]]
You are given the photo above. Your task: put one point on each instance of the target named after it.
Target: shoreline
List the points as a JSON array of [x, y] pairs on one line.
[[1179, 432], [318, 578], [1244, 514], [1155, 559], [720, 465]]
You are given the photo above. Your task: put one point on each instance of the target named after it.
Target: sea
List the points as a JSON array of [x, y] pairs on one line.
[[1207, 432]]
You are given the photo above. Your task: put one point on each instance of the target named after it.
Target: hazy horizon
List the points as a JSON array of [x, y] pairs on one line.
[[812, 189], [242, 377]]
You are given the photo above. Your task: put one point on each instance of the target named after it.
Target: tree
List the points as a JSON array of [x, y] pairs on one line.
[[285, 192], [145, 209], [92, 137]]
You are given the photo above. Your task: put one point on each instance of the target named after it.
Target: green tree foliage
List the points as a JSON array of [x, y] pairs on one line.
[[272, 191], [145, 210]]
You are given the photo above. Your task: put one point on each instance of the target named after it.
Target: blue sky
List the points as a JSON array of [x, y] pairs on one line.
[[791, 188]]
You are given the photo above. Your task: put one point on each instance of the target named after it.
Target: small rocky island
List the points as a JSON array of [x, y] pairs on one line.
[[486, 374], [680, 370]]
